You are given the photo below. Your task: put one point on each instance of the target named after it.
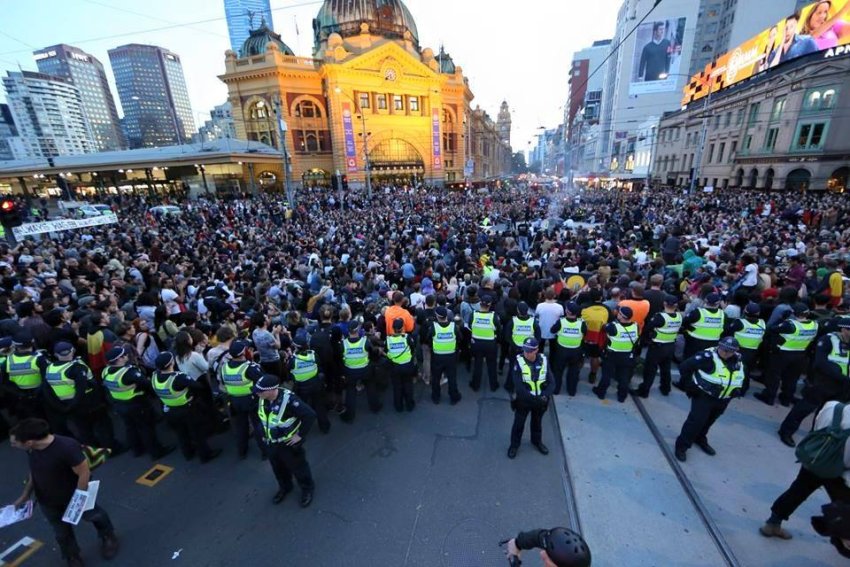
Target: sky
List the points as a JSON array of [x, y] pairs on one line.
[[514, 51]]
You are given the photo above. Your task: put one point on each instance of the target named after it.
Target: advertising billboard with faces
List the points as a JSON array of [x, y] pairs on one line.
[[657, 57]]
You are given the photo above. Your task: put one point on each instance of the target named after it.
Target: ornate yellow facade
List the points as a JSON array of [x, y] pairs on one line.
[[369, 95]]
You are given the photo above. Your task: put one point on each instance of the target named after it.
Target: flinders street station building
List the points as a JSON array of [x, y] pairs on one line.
[[369, 102]]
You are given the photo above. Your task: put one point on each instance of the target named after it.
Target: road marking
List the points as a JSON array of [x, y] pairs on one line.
[[154, 475], [19, 552]]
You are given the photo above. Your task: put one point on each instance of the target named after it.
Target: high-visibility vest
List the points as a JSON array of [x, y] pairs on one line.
[[483, 326], [277, 428], [522, 329], [838, 355], [800, 339], [445, 338], [305, 367], [667, 333], [63, 387], [23, 371], [398, 351], [569, 336], [722, 382], [709, 326], [625, 339], [536, 386], [354, 354], [113, 379], [164, 389], [235, 380], [751, 334]]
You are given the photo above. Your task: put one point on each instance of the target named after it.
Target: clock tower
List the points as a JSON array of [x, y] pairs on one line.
[[504, 123]]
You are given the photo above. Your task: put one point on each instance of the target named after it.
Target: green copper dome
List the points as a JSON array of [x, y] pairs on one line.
[[387, 18], [259, 38]]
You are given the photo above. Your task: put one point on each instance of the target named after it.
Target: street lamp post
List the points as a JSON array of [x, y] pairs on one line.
[[366, 165], [282, 128]]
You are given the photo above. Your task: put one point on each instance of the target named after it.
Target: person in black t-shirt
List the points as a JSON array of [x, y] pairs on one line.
[[58, 468]]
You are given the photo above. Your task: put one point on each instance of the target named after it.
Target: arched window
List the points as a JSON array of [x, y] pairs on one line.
[[447, 117], [813, 101], [798, 180], [754, 178], [312, 142], [259, 109], [739, 178], [307, 109], [828, 99], [768, 179]]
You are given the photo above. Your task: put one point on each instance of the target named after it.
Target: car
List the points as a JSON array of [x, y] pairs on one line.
[[89, 211], [165, 210]]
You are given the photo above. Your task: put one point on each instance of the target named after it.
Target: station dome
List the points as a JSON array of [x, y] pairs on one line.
[[387, 18]]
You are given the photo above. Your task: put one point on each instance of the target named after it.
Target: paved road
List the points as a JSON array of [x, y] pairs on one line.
[[429, 488]]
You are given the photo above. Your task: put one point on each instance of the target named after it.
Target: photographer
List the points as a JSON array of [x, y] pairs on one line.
[[559, 547]]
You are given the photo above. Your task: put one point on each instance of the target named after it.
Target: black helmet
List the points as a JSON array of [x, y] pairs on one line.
[[566, 548]]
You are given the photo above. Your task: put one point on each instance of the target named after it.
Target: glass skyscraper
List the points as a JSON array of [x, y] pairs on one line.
[[243, 16], [87, 74], [153, 94]]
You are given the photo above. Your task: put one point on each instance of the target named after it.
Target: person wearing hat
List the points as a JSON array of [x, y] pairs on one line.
[[559, 547], [188, 420], [704, 326], [794, 336], [399, 353], [569, 334], [749, 332], [711, 379], [23, 375], [660, 332], [127, 385], [619, 359], [442, 336], [484, 327], [238, 376], [518, 328], [533, 386], [71, 393], [285, 420], [306, 370], [828, 380], [357, 355]]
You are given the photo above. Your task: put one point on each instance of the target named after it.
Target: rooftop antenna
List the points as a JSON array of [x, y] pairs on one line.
[[250, 14]]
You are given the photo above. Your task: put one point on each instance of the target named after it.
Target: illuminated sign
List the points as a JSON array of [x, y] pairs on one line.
[[80, 57], [820, 26], [46, 55]]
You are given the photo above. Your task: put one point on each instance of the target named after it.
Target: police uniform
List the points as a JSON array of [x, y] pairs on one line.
[[518, 328], [399, 349], [711, 382], [310, 382], [126, 386], [619, 358], [704, 326], [533, 386], [281, 420], [442, 335], [176, 391], [569, 351], [662, 330], [829, 380], [790, 359], [358, 367], [22, 379], [484, 328], [238, 378], [749, 332], [5, 398]]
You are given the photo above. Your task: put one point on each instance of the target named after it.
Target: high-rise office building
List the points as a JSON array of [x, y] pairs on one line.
[[153, 94], [243, 16], [48, 115], [219, 126], [7, 131], [87, 74], [586, 81]]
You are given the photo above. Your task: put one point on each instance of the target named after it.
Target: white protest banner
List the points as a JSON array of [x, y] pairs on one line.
[[32, 228]]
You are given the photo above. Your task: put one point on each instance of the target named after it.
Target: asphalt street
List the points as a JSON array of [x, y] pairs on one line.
[[429, 488]]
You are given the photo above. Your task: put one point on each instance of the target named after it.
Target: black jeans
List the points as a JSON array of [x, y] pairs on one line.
[[140, 426], [444, 364], [312, 393], [571, 360], [804, 486], [617, 367], [287, 461], [402, 380], [366, 377], [64, 532], [785, 369], [481, 351], [659, 356], [191, 427], [704, 412], [520, 415], [246, 423]]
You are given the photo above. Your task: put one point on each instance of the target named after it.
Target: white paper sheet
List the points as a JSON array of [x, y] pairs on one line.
[[10, 515]]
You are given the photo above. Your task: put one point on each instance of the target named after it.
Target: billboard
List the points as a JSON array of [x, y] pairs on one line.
[[657, 56], [820, 26]]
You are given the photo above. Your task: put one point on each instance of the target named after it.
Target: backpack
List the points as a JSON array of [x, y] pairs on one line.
[[821, 451], [150, 353]]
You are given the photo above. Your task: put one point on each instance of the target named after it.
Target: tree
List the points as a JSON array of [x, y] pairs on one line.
[[518, 165]]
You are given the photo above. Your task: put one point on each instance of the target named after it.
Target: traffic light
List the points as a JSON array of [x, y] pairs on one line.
[[345, 183], [10, 213]]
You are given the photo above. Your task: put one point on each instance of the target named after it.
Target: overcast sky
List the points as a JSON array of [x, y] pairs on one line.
[[514, 51]]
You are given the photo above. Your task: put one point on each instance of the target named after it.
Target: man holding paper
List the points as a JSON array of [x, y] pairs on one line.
[[59, 474]]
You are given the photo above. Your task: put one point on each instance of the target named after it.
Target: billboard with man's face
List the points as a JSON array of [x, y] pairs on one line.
[[820, 26], [657, 57]]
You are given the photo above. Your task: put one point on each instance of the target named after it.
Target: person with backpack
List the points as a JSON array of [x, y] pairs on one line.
[[824, 457]]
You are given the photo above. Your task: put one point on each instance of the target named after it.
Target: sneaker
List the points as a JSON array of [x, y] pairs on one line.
[[109, 547], [774, 530]]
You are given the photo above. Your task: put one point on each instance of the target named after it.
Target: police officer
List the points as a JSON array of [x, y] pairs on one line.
[[127, 385], [619, 359], [795, 335], [704, 326], [712, 378], [749, 332], [399, 349], [309, 379], [238, 376], [518, 328], [442, 336], [829, 380], [660, 331], [71, 390], [357, 352], [569, 353], [22, 376], [559, 547], [285, 420], [484, 328], [5, 397], [533, 386], [176, 391]]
